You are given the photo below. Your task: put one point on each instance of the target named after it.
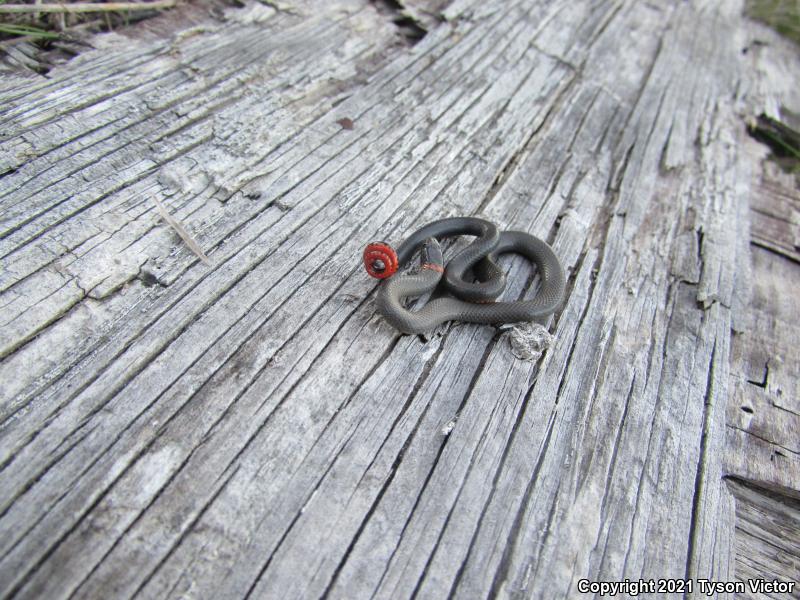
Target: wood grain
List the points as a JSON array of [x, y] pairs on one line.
[[252, 427]]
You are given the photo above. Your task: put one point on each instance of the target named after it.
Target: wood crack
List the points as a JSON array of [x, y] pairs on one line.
[[700, 483]]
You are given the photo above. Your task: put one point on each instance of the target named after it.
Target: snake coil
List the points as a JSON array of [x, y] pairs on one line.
[[457, 297]]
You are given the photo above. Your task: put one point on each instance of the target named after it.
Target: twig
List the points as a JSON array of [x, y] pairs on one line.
[[175, 224], [84, 7]]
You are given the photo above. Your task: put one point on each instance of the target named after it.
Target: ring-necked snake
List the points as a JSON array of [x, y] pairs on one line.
[[469, 301]]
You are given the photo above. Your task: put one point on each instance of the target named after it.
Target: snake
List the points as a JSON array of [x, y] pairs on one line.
[[467, 287]]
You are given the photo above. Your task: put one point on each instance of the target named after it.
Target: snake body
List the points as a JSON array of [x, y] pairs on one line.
[[457, 297]]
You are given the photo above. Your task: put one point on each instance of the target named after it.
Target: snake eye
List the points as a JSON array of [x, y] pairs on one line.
[[380, 260]]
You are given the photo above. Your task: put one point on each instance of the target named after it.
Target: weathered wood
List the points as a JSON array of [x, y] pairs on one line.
[[775, 214], [763, 457], [767, 536], [764, 411], [252, 427]]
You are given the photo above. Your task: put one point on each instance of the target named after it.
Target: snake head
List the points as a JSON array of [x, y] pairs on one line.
[[380, 260]]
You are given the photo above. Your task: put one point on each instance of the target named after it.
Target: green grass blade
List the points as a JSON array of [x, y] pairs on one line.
[[26, 30]]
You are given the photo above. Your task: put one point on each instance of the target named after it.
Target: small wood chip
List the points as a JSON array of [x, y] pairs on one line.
[[176, 225], [346, 123]]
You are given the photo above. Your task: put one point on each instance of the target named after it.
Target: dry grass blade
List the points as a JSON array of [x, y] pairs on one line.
[[85, 7], [175, 224]]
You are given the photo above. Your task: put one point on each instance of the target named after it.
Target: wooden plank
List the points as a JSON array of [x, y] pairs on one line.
[[253, 427], [776, 213], [762, 415], [766, 537], [763, 411]]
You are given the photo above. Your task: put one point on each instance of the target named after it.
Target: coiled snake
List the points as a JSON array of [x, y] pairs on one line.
[[469, 301]]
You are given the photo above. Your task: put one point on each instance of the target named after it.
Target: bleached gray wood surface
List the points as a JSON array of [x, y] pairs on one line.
[[176, 429]]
